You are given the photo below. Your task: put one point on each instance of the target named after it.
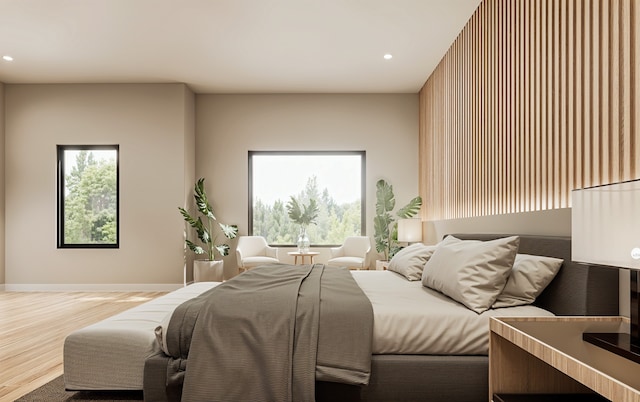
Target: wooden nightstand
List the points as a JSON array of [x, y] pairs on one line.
[[548, 356]]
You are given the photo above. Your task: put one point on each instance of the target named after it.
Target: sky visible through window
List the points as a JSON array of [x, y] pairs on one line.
[[70, 156], [280, 176]]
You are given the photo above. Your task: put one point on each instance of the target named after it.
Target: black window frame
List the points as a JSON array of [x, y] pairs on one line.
[[363, 189], [60, 150]]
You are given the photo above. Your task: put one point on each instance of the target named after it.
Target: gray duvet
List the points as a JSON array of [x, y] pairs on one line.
[[270, 333]]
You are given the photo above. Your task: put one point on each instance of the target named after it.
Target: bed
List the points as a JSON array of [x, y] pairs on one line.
[[405, 374]]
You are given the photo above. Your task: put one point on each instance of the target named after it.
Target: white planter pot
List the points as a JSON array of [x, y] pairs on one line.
[[208, 271]]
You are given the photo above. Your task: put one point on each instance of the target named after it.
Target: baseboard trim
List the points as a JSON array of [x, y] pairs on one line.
[[91, 287]]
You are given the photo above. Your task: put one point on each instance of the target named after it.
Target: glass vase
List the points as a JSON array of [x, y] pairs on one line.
[[303, 241]]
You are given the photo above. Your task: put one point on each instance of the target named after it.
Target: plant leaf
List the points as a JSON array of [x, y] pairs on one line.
[[302, 217], [310, 212], [394, 250], [229, 231], [204, 236], [188, 218], [385, 200], [294, 210], [194, 247], [223, 249], [412, 208], [202, 202], [202, 232], [381, 236]]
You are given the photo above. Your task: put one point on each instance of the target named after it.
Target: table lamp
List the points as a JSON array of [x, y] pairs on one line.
[[409, 230], [605, 230]]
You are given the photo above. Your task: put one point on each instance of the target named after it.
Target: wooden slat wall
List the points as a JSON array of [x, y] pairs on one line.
[[533, 99]]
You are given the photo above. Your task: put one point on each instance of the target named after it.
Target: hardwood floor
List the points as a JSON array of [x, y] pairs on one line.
[[33, 326]]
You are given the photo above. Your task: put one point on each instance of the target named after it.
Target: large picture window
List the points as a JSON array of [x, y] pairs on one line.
[[88, 214], [335, 180]]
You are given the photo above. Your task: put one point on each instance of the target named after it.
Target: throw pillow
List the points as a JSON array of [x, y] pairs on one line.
[[409, 262], [530, 275], [471, 272]]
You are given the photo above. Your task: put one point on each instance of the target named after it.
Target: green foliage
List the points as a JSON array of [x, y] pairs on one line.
[[204, 229], [384, 224], [304, 216], [90, 204], [332, 224]]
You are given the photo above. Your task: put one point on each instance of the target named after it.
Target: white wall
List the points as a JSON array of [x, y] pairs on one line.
[[228, 126], [151, 125], [2, 232]]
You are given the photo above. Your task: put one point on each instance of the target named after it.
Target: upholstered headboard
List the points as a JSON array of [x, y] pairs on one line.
[[577, 289]]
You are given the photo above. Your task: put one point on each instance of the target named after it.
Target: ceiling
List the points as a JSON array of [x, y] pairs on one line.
[[231, 46]]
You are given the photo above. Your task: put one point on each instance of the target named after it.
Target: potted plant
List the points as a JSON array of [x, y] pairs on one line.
[[384, 223], [303, 216], [208, 269]]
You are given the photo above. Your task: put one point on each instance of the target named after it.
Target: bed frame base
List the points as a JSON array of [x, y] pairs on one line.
[[393, 378]]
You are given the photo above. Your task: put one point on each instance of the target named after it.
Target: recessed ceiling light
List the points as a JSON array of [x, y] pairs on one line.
[[7, 58], [388, 56]]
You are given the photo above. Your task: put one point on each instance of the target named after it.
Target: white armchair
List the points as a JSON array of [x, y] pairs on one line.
[[253, 251], [352, 253]]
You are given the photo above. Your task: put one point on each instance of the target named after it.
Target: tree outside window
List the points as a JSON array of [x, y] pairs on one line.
[[334, 179], [88, 196]]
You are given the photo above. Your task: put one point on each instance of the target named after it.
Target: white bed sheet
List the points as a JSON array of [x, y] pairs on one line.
[[412, 319]]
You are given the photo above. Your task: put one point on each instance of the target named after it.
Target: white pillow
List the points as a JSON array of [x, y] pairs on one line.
[[409, 262], [530, 275], [471, 272]]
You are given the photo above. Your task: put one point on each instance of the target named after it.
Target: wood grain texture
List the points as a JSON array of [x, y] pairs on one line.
[[33, 326], [535, 98], [548, 355]]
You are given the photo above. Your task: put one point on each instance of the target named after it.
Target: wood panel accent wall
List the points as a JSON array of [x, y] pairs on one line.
[[533, 99]]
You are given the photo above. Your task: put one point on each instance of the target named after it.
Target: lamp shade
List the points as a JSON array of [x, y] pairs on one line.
[[605, 225], [409, 230]]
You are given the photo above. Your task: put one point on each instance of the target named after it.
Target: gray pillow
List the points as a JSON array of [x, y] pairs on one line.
[[410, 261], [471, 272], [530, 275]]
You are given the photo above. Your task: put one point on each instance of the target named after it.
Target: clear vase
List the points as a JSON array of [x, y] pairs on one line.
[[303, 241]]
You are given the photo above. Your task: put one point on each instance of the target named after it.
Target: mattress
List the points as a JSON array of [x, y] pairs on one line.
[[111, 353], [409, 318]]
